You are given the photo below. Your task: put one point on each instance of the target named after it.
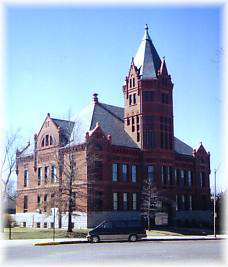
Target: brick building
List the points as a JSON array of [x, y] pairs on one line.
[[120, 148]]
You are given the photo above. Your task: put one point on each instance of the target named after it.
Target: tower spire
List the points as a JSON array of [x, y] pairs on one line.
[[147, 59]]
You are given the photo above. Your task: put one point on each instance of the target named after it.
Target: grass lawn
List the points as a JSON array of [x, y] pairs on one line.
[[179, 231], [34, 233]]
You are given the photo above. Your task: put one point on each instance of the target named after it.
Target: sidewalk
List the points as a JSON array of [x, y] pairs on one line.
[[60, 241]]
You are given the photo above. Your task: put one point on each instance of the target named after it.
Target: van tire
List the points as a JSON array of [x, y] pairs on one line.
[[133, 238], [95, 239]]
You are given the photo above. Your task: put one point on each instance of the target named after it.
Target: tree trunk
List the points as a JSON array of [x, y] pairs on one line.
[[148, 221], [60, 219]]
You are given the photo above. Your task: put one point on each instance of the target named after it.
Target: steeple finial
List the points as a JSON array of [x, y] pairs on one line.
[[146, 27]]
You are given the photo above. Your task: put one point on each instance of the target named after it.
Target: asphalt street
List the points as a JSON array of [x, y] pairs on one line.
[[205, 251]]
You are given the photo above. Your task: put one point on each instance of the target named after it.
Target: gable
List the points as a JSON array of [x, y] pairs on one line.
[[48, 134]]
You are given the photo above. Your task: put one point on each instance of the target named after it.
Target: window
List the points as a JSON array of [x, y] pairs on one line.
[[175, 175], [99, 169], [128, 121], [26, 177], [46, 173], [25, 203], [165, 98], [177, 206], [115, 201], [134, 98], [47, 140], [170, 175], [183, 201], [38, 225], [133, 82], [125, 202], [138, 136], [149, 138], [202, 179], [130, 100], [130, 83], [166, 133], [124, 172], [178, 176], [134, 201], [134, 173], [38, 201], [137, 119], [182, 177], [53, 174], [39, 175], [164, 174], [24, 224], [107, 225], [98, 200], [45, 202], [45, 224], [189, 178], [148, 96], [114, 172], [42, 144], [190, 202], [151, 173], [133, 124], [51, 140]]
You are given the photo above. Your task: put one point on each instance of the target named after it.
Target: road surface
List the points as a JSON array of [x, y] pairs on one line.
[[205, 251]]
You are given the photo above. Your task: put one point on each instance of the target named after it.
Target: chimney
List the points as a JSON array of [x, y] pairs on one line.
[[95, 98]]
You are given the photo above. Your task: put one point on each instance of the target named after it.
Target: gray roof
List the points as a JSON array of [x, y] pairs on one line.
[[111, 121], [147, 59], [27, 150], [182, 148], [65, 125]]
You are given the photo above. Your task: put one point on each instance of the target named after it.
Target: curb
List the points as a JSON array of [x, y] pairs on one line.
[[183, 239], [54, 243]]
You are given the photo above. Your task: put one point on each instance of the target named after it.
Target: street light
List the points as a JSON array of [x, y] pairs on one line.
[[215, 215]]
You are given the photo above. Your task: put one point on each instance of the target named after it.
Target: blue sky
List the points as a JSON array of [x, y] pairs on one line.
[[57, 57]]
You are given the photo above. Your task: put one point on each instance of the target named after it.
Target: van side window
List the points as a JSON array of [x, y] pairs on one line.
[[121, 224], [107, 225]]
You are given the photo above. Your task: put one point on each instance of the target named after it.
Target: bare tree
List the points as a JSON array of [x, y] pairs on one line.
[[153, 200], [72, 189], [8, 165]]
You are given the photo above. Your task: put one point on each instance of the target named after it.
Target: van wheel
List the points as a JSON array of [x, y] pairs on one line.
[[95, 239], [133, 238]]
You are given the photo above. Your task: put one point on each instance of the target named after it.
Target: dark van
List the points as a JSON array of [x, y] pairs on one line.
[[117, 230]]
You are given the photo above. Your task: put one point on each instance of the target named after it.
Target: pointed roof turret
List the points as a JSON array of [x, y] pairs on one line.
[[147, 59], [163, 69]]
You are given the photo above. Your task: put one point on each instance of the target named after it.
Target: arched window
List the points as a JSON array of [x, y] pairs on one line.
[[51, 140], [46, 140], [42, 144]]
